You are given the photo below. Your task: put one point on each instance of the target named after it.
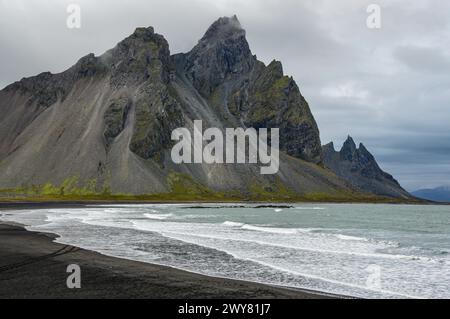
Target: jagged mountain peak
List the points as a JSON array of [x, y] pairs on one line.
[[329, 147], [224, 71], [142, 55], [226, 33], [276, 67], [222, 54], [143, 38], [144, 32], [350, 142], [363, 150], [348, 149], [359, 167], [224, 28]]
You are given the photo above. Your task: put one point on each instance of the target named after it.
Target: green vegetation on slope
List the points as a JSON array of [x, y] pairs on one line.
[[183, 189]]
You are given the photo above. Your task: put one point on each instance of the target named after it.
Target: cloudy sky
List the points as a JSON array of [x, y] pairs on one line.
[[389, 88]]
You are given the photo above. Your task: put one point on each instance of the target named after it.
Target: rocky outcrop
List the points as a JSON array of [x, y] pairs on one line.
[[222, 55], [143, 56], [359, 167], [115, 118], [246, 92], [157, 114]]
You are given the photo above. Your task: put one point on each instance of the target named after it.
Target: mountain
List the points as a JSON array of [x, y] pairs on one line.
[[104, 125], [359, 167], [439, 194]]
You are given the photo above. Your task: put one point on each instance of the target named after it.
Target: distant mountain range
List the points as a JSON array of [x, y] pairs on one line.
[[439, 194], [104, 125]]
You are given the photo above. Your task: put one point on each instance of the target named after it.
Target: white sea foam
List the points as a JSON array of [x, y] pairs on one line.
[[273, 230], [346, 237], [232, 224], [269, 229], [158, 216]]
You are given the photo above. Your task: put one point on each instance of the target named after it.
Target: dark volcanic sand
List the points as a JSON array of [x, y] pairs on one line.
[[33, 266]]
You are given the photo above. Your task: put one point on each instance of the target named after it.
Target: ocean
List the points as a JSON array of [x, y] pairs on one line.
[[368, 251]]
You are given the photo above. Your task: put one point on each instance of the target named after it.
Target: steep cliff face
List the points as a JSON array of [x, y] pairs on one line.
[[359, 167], [107, 121], [246, 92]]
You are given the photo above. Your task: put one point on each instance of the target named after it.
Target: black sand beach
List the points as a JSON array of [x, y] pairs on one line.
[[33, 266]]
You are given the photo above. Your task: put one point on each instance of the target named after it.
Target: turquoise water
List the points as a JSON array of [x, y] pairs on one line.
[[376, 251]]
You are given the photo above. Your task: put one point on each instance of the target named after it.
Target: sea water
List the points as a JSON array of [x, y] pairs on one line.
[[372, 251]]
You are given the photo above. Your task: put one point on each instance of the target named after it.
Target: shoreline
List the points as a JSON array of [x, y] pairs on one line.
[[23, 205], [34, 266]]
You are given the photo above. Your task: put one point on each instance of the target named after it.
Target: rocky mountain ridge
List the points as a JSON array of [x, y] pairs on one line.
[[106, 122], [358, 166]]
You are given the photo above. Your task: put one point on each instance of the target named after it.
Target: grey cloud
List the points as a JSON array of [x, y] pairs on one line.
[[423, 59]]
